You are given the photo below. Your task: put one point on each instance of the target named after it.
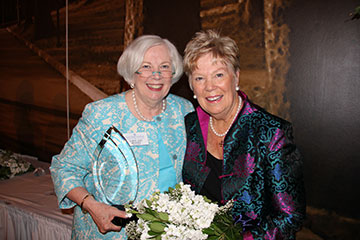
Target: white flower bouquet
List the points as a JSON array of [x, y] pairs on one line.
[[11, 165], [181, 214]]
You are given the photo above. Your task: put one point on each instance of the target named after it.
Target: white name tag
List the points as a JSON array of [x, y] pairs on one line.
[[137, 139]]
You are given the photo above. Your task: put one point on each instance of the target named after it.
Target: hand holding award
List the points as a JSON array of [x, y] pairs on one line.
[[116, 173]]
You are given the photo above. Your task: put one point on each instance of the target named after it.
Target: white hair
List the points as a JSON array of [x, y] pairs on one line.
[[133, 56]]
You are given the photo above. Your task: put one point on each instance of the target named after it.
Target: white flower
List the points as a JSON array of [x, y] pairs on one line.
[[179, 214], [13, 163], [144, 229]]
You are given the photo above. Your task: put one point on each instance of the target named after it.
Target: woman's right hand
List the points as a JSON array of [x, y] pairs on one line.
[[102, 214]]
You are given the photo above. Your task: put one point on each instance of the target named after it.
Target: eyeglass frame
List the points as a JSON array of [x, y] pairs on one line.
[[154, 72]]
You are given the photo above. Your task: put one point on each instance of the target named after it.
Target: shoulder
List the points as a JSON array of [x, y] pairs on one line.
[[267, 126], [192, 124], [259, 117], [104, 106], [117, 98], [105, 112], [191, 117], [180, 103], [177, 99]]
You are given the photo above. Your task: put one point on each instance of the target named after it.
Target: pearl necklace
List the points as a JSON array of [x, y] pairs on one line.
[[139, 113], [223, 134]]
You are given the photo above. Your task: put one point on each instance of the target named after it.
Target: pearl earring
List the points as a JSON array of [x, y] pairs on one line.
[[237, 88], [132, 85], [194, 96]]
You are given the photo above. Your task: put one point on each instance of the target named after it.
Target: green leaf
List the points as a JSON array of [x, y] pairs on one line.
[[207, 200], [170, 190], [148, 202], [208, 231], [213, 238], [164, 216], [216, 229], [152, 233], [158, 237], [133, 211], [157, 227], [146, 217], [152, 212]]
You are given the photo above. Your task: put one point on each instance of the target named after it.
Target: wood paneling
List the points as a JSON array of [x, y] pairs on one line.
[[33, 102]]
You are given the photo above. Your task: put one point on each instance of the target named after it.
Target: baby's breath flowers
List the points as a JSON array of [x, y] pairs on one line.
[[181, 214], [11, 165]]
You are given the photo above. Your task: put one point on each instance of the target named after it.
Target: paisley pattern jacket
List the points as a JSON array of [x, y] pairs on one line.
[[262, 171], [73, 166]]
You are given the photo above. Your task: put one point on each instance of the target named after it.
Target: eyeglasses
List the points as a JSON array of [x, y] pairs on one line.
[[147, 71]]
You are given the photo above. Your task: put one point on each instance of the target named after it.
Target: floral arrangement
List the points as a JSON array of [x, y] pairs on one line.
[[12, 165], [181, 214]]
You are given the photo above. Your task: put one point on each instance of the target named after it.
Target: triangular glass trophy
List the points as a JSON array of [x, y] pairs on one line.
[[115, 171]]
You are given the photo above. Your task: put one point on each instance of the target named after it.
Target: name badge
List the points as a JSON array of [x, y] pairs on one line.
[[137, 139]]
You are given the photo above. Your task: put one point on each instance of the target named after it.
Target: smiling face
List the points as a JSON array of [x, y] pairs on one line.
[[214, 84], [152, 89]]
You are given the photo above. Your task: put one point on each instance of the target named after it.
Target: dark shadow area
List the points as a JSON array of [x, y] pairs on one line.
[[26, 130], [323, 88], [177, 22]]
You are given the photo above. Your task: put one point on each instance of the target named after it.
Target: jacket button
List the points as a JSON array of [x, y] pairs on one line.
[[174, 156]]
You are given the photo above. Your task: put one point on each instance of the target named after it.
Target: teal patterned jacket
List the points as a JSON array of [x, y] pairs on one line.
[[262, 171], [73, 166]]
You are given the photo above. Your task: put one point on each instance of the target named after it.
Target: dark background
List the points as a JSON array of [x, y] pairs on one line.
[[323, 87], [184, 23]]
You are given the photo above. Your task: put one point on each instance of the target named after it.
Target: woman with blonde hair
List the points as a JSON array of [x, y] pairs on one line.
[[235, 149]]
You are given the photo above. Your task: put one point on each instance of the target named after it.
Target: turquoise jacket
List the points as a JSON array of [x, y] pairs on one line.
[[73, 166]]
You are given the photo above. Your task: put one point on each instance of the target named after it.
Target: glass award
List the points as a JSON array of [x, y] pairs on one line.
[[115, 172]]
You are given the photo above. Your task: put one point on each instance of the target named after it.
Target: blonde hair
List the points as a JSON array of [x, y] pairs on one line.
[[210, 41]]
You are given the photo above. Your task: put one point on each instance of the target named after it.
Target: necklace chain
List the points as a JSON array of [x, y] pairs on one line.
[[227, 130], [139, 113]]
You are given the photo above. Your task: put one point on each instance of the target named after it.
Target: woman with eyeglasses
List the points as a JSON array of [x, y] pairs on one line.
[[153, 117]]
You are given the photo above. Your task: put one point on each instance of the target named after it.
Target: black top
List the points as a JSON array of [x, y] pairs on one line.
[[212, 185]]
